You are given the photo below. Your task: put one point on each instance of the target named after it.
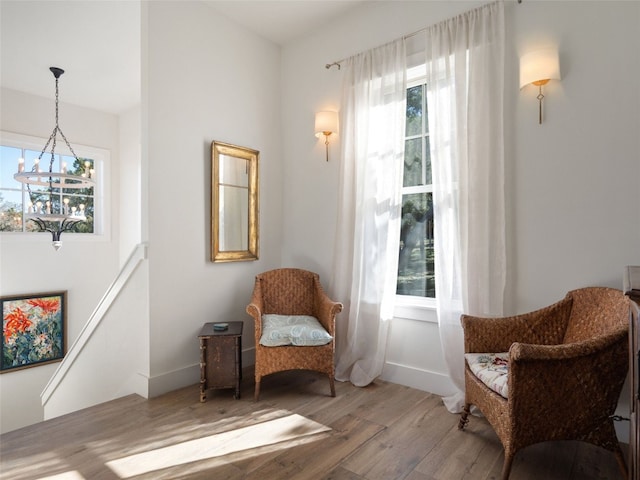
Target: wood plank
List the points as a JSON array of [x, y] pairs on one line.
[[400, 447], [341, 473], [461, 450], [304, 462], [553, 460], [590, 461]]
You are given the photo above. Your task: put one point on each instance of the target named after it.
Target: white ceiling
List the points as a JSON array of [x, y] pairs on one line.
[[285, 20], [97, 43]]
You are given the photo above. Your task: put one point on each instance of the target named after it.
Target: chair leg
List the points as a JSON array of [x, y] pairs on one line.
[[464, 416], [506, 467], [256, 395], [332, 385], [621, 463]]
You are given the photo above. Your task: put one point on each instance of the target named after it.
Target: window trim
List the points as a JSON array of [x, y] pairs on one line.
[[409, 306], [414, 308], [102, 166]]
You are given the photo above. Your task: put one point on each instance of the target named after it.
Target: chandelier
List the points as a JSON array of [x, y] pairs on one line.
[[50, 207]]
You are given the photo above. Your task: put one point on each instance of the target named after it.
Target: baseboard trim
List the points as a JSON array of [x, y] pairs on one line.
[[167, 382], [189, 375], [418, 378]]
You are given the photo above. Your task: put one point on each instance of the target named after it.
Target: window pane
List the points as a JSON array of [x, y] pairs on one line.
[[29, 161], [427, 163], [82, 197], [416, 261], [10, 211], [426, 116], [8, 166], [416, 170], [414, 111], [10, 190], [412, 163]]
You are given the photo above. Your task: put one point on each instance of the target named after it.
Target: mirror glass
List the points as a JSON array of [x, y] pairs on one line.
[[234, 208]]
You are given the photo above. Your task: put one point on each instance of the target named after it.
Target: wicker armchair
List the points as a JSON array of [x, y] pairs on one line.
[[291, 291], [566, 367]]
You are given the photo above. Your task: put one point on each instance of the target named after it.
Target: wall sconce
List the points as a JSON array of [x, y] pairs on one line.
[[326, 124], [537, 68]]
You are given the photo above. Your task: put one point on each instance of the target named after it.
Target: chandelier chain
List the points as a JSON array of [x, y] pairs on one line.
[[53, 142]]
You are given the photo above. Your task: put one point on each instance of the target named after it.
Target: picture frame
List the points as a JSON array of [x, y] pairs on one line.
[[34, 330]]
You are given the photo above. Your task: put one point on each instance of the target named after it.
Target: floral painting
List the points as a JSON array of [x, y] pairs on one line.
[[33, 330]]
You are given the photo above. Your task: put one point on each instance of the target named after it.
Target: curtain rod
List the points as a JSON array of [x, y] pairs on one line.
[[338, 63]]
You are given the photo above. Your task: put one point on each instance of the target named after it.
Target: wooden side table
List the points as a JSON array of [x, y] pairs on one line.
[[220, 358]]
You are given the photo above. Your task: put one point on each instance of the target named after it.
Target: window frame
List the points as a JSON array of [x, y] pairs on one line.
[[102, 207], [410, 306]]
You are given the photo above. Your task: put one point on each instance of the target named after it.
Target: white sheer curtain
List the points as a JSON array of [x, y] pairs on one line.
[[465, 71], [367, 239]]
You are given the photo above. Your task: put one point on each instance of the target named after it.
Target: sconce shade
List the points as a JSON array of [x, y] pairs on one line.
[[326, 122], [539, 65]]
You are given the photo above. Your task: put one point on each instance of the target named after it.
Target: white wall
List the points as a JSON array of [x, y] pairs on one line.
[[130, 182], [207, 79], [572, 196], [29, 264], [111, 358], [573, 187]]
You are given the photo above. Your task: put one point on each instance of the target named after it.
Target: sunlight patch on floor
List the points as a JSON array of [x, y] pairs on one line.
[[270, 433], [73, 475], [32, 466]]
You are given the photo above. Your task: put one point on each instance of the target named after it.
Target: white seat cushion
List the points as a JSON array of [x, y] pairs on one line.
[[300, 330], [491, 369]]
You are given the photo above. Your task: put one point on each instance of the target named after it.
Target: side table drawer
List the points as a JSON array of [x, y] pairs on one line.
[[222, 370]]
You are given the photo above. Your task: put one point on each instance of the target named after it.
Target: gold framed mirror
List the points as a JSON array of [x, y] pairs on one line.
[[234, 203]]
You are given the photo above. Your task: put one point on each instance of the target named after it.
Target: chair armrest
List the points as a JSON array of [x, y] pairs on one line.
[[255, 308], [544, 326], [326, 309], [523, 352], [566, 383], [256, 313]]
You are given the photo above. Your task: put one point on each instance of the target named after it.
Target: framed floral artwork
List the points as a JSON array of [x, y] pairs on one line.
[[34, 330]]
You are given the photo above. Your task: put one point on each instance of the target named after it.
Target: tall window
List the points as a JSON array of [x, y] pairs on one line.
[[17, 198], [416, 260]]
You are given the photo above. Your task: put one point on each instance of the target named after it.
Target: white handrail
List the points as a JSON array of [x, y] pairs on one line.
[[139, 253]]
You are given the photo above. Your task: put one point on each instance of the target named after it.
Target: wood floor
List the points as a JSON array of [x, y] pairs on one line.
[[296, 431]]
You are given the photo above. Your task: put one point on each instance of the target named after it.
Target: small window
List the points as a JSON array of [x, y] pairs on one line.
[[17, 198]]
